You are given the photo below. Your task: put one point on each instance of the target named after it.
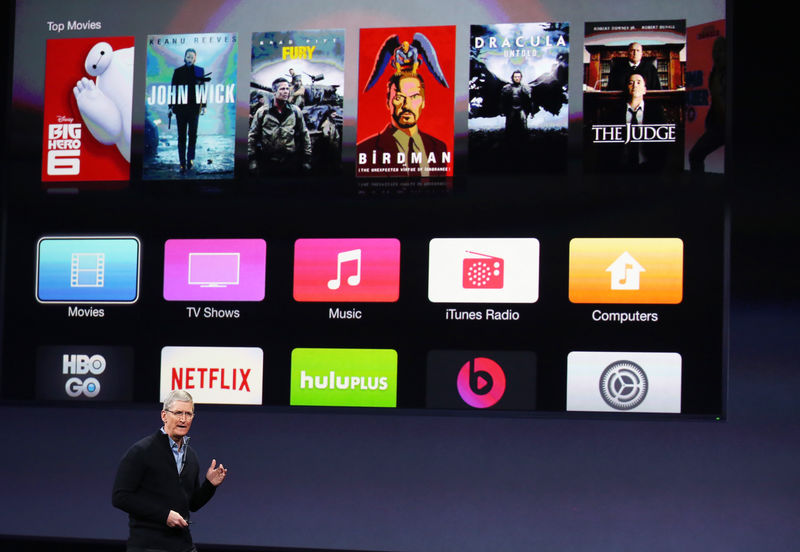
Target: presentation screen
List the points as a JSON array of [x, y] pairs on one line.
[[482, 208]]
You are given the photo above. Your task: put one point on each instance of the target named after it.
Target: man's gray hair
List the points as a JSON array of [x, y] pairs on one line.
[[175, 396]]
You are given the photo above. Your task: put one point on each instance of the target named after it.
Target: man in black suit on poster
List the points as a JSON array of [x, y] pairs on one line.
[[187, 114], [623, 68], [637, 157]]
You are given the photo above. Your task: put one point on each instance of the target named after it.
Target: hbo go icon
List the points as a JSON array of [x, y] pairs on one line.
[[81, 365]]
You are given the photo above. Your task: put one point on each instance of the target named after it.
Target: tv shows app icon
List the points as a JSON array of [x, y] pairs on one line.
[[87, 269], [347, 270], [481, 379], [214, 269], [483, 270], [626, 270]]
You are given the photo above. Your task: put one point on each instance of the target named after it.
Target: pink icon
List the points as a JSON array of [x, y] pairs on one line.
[[214, 270], [481, 382], [484, 272], [347, 270]]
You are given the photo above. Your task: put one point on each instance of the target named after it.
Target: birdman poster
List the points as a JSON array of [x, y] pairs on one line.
[[518, 97], [190, 106], [87, 109], [405, 103]]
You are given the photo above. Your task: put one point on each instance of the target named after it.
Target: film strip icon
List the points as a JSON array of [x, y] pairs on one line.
[[88, 270]]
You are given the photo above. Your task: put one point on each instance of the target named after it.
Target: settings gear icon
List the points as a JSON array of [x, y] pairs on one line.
[[623, 385]]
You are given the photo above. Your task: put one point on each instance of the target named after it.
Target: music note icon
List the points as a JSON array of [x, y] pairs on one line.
[[344, 257], [628, 267]]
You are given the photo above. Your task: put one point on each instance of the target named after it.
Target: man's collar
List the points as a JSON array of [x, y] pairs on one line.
[[397, 131], [172, 443], [640, 106]]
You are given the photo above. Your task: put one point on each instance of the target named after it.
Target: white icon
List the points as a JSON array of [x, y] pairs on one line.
[[214, 269], [625, 272], [353, 279], [88, 270]]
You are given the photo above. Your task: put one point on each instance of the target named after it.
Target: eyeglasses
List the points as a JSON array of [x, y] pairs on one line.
[[181, 414]]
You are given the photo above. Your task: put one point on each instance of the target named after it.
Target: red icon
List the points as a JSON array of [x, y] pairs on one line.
[[485, 272]]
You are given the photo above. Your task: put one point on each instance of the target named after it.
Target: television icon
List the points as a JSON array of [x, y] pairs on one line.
[[87, 269], [215, 269]]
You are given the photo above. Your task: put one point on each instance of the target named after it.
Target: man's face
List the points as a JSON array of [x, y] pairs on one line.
[[405, 46], [636, 86], [177, 425], [517, 78], [282, 93], [635, 53], [406, 103], [189, 58]]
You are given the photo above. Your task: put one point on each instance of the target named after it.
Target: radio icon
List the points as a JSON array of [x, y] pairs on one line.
[[484, 272]]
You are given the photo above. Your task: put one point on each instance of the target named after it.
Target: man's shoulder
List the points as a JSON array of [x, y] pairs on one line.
[[261, 112], [374, 141], [148, 441], [432, 142]]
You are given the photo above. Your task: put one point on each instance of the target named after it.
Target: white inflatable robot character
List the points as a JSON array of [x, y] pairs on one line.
[[105, 104]]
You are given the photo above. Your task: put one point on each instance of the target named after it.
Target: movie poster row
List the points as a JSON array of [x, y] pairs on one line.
[[518, 102]]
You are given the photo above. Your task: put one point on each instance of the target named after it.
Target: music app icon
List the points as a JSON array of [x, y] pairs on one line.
[[347, 270], [342, 258]]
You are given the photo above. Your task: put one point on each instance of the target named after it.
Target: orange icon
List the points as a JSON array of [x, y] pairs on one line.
[[626, 270]]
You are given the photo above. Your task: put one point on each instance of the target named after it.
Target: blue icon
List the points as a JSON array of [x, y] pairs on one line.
[[88, 270]]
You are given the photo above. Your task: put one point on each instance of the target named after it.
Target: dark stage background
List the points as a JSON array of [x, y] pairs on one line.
[[395, 482]]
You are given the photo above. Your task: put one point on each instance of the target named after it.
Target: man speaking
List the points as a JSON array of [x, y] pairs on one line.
[[158, 482]]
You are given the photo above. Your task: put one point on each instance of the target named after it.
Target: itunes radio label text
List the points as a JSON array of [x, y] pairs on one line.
[[488, 314]]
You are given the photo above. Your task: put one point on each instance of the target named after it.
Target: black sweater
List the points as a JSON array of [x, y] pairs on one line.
[[148, 486]]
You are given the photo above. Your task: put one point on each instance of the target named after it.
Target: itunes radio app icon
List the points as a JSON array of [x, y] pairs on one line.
[[481, 382], [483, 270]]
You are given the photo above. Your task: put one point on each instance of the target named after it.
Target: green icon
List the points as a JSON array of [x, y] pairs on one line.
[[344, 377]]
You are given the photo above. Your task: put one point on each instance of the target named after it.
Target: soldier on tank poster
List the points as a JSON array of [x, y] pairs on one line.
[[296, 99]]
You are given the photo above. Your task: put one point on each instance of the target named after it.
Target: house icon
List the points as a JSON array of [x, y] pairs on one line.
[[625, 272]]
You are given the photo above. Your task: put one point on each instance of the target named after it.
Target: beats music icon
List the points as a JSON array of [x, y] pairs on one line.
[[481, 382]]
